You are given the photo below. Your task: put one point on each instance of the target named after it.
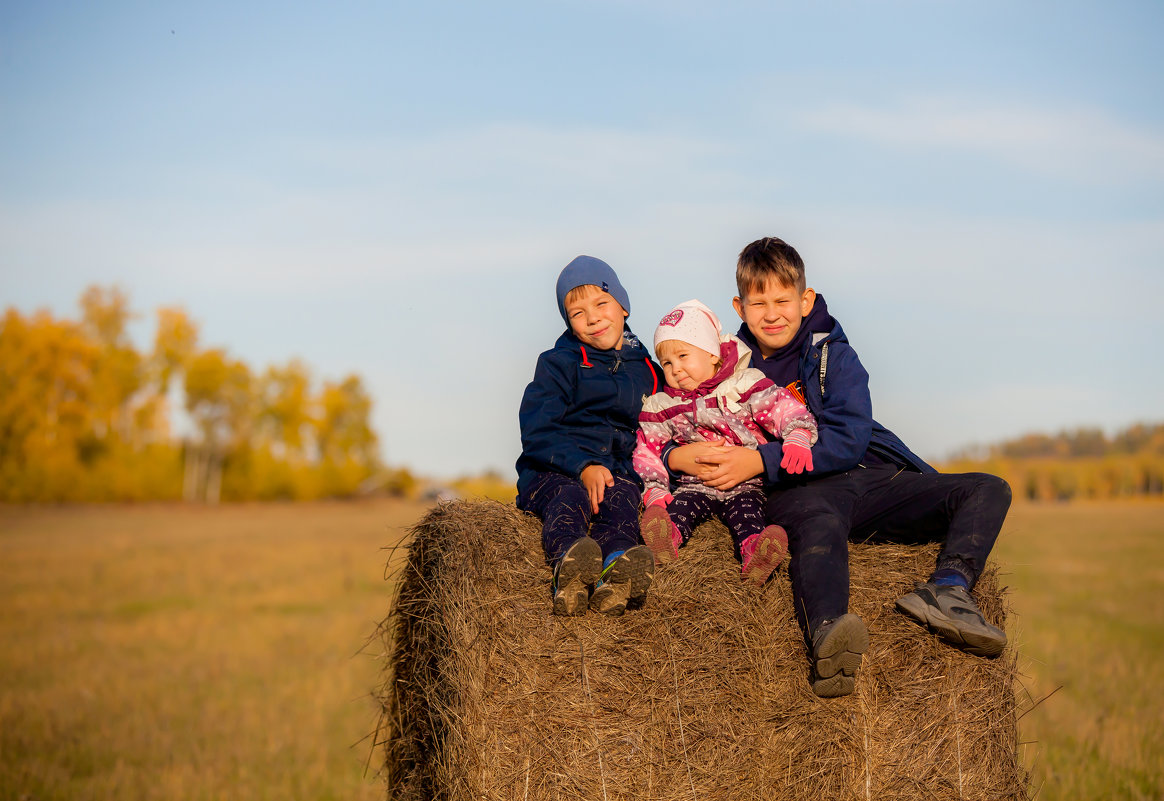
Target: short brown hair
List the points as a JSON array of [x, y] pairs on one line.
[[765, 260], [579, 292]]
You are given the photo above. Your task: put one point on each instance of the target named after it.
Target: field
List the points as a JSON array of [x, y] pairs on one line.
[[163, 652], [168, 652], [1088, 595]]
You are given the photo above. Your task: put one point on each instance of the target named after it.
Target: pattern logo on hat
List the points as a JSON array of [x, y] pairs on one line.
[[672, 318]]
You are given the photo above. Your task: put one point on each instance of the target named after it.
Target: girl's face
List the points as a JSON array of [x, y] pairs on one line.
[[685, 366]]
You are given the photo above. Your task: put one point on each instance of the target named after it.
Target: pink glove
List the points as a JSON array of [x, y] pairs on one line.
[[797, 453]]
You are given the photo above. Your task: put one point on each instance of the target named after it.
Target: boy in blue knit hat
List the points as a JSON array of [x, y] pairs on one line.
[[579, 420]]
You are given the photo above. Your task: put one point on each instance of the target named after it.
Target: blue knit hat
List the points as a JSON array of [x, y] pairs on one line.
[[589, 270]]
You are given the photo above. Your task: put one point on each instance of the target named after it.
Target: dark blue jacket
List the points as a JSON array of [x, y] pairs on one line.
[[843, 409], [582, 408]]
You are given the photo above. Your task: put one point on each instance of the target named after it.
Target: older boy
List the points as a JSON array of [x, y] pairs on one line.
[[579, 418], [865, 480]]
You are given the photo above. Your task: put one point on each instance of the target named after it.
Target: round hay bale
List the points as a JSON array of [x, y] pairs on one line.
[[701, 694]]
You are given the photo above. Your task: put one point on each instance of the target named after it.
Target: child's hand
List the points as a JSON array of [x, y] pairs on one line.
[[685, 458], [596, 478], [730, 465], [797, 454]]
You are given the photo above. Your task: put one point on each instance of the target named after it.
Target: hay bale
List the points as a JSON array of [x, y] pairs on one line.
[[702, 694]]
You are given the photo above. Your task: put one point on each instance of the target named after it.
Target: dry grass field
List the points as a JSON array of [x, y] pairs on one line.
[[1087, 583], [168, 652]]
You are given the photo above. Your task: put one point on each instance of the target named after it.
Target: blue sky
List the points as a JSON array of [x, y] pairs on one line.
[[391, 189]]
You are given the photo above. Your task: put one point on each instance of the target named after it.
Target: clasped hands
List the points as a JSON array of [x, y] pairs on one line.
[[721, 466]]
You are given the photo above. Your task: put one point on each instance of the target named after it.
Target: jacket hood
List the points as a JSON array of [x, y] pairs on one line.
[[818, 321]]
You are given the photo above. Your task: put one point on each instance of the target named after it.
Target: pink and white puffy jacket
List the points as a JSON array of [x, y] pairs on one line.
[[738, 403]]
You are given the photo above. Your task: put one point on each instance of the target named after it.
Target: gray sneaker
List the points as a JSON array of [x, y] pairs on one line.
[[837, 646], [951, 613], [625, 577], [574, 573]]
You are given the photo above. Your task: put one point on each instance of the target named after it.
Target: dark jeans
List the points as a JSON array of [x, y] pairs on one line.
[[964, 511], [743, 515], [564, 507]]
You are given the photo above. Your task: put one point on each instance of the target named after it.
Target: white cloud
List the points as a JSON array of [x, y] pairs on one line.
[[1080, 144]]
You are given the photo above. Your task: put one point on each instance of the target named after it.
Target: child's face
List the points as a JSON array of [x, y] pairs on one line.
[[596, 318], [684, 365], [774, 314]]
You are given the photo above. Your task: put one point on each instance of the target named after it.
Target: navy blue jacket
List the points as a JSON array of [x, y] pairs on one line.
[[582, 408], [843, 409]]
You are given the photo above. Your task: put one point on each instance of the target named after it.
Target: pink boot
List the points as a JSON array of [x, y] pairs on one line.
[[660, 534], [762, 553]]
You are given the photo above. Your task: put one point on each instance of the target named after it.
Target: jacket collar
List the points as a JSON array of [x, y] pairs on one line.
[[632, 349], [734, 357]]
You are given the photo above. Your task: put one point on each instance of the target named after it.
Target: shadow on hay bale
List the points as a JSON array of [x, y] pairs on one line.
[[702, 694]]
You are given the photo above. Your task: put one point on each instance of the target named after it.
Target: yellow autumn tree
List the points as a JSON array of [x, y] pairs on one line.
[[85, 415], [47, 431], [346, 442], [220, 400], [1078, 464]]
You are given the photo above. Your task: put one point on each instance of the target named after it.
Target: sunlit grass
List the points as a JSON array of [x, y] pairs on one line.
[[1088, 592], [167, 652], [176, 653]]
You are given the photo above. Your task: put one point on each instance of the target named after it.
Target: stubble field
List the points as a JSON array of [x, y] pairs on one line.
[[168, 652]]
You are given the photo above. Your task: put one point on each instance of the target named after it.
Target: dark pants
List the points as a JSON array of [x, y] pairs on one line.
[[743, 515], [564, 507], [964, 511]]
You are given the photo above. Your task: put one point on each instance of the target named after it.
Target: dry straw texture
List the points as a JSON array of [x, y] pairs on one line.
[[701, 694]]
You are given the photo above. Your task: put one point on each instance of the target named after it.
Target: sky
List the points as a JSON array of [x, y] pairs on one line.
[[390, 189]]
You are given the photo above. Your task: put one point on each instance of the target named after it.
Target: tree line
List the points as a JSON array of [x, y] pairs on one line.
[[1078, 463], [87, 416]]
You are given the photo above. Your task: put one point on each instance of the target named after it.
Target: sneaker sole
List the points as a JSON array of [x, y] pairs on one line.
[[834, 686], [971, 639], [579, 569], [838, 657], [656, 533], [610, 599], [628, 580], [768, 555]]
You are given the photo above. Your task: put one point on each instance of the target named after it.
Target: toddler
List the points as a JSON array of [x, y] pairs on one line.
[[713, 395]]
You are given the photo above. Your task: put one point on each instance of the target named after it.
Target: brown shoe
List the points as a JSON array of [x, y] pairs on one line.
[[574, 574], [837, 646]]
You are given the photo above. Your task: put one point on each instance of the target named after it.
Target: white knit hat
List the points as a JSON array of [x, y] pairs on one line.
[[693, 323]]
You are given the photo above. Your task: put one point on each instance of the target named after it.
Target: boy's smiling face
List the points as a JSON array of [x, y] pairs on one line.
[[595, 317], [773, 313]]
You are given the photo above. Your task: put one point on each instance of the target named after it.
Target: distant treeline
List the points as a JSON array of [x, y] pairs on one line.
[[86, 416], [1081, 463]]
